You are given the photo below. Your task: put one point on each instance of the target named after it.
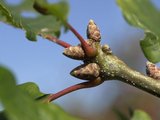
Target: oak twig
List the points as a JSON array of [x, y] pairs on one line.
[[103, 66], [74, 88], [57, 41]]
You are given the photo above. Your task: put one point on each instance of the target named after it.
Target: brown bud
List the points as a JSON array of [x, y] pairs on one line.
[[106, 49], [152, 70], [74, 52], [93, 31], [86, 71]]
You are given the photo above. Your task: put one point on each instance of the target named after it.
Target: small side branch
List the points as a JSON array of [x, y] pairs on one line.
[[73, 88], [57, 41]]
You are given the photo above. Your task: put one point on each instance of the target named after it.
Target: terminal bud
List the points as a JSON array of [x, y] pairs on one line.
[[93, 31]]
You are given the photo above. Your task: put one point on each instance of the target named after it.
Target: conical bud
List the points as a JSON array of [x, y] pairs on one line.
[[74, 52], [152, 70], [93, 31], [86, 71]]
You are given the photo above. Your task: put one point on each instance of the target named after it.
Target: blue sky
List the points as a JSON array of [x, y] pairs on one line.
[[43, 63]]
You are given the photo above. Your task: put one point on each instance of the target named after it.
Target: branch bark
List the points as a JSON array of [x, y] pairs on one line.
[[114, 68]]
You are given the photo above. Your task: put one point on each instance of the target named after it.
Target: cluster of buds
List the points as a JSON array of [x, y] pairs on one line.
[[84, 51], [77, 52], [87, 71], [152, 70]]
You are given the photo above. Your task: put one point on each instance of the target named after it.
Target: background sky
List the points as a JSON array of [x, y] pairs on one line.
[[43, 63]]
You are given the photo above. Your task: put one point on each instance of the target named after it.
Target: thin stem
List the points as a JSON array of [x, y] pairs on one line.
[[70, 89], [57, 41], [81, 39]]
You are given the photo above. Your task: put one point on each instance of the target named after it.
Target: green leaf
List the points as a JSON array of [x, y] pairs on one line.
[[60, 10], [19, 105], [140, 115], [151, 47], [35, 24], [13, 101], [33, 90], [142, 14]]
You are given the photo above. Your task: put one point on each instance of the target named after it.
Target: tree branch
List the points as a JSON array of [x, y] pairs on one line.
[[141, 81], [112, 68]]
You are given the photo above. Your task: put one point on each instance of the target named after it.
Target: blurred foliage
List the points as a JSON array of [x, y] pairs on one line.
[[137, 115], [35, 24], [142, 14], [60, 10], [140, 115], [128, 101], [33, 90], [21, 105]]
